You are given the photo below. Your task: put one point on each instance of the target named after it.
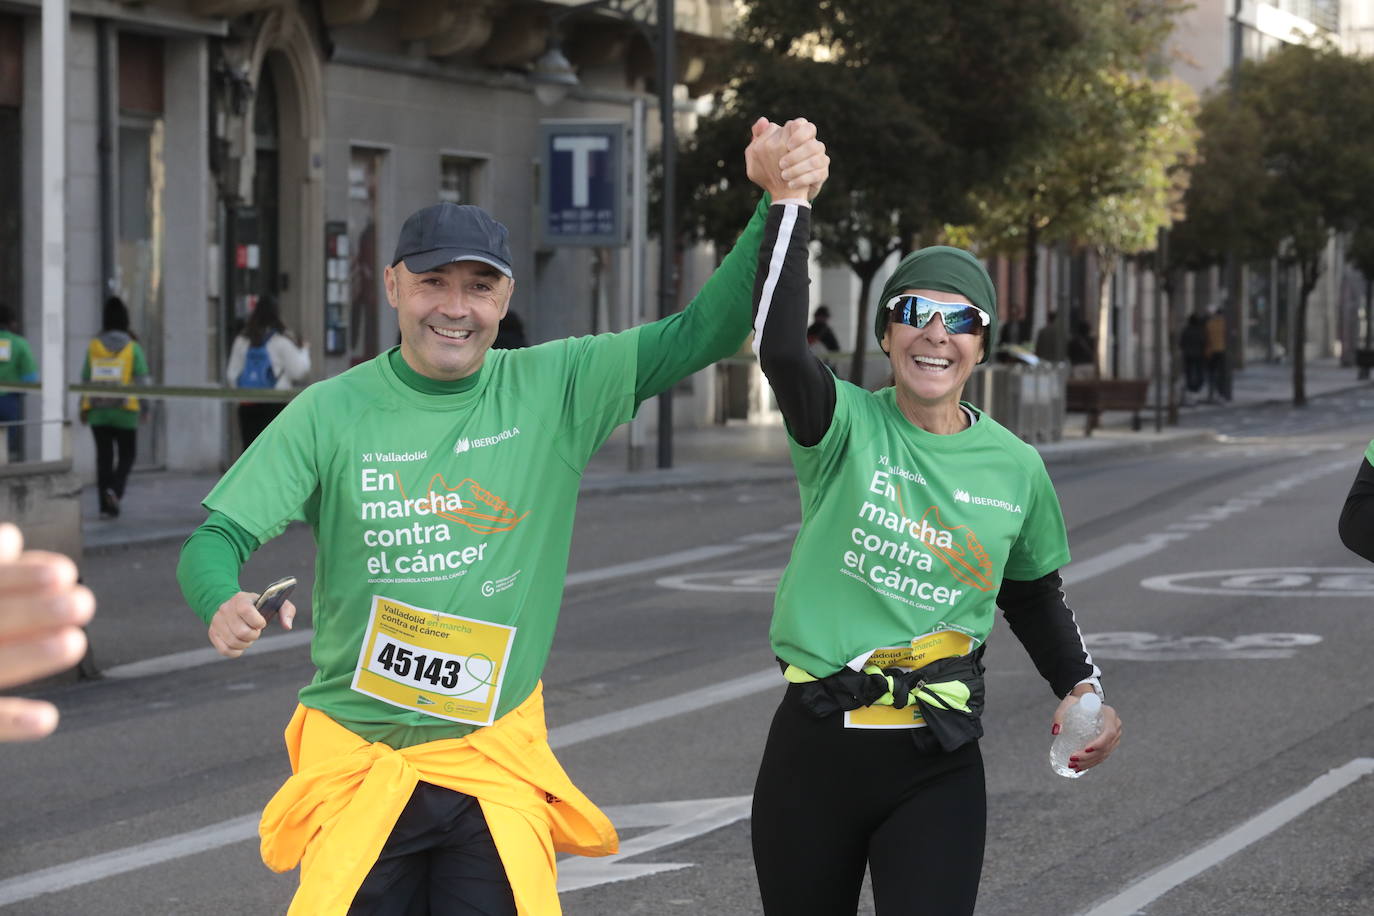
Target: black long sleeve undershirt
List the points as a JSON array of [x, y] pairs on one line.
[[805, 392], [1357, 516], [803, 386], [1042, 621]]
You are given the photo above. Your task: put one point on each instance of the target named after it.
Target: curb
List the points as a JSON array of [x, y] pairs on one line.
[[103, 543]]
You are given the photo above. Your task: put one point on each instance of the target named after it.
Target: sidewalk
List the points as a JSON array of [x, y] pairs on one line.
[[165, 505]]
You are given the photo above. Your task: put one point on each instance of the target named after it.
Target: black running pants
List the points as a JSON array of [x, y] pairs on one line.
[[112, 473], [440, 860], [830, 801]]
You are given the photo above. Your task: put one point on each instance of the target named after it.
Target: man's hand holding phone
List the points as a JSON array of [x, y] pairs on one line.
[[240, 621]]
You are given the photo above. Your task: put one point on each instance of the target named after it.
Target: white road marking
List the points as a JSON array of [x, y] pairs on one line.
[[1134, 898], [1271, 582], [1155, 541], [94, 868], [730, 580], [677, 821], [657, 710], [1147, 647], [194, 658], [679, 558]]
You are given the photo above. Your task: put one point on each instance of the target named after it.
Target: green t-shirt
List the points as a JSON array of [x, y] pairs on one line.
[[443, 511], [906, 533], [16, 359], [460, 504], [1369, 453]]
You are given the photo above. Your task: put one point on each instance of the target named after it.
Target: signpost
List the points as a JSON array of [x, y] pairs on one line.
[[582, 183]]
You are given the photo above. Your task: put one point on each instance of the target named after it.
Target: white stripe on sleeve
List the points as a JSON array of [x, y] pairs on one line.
[[775, 262]]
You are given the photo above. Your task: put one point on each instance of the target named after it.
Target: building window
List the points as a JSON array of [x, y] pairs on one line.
[[364, 208], [141, 172], [458, 179]]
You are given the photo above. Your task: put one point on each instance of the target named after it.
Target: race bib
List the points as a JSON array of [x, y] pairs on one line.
[[921, 652], [440, 664], [106, 371], [4, 349]]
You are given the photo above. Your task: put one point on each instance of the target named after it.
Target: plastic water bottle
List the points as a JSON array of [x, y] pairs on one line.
[[1082, 722]]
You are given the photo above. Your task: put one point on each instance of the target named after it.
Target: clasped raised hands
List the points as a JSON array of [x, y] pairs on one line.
[[787, 160]]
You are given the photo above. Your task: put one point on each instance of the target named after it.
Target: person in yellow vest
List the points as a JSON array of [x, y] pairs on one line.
[[113, 357]]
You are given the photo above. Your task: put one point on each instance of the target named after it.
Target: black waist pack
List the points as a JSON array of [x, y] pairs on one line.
[[848, 689]]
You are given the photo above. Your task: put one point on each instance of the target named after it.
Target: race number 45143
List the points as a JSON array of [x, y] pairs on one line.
[[437, 671]]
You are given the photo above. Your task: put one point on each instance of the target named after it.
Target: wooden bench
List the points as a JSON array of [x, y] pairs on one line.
[[1092, 396]]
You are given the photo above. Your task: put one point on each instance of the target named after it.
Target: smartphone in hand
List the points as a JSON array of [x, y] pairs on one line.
[[274, 596]]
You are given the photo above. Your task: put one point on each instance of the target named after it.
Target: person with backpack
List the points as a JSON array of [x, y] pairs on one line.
[[113, 357], [265, 355]]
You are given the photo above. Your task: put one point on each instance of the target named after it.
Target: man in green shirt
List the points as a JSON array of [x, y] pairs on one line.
[[16, 365], [440, 480]]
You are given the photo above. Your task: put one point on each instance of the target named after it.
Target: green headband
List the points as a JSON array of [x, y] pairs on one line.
[[950, 270]]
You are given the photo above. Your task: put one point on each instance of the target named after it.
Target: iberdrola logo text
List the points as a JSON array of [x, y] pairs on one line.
[[464, 444]]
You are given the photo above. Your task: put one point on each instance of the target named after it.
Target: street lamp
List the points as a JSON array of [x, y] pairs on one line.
[[554, 77]]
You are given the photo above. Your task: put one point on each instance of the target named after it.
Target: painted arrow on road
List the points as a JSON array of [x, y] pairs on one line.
[[677, 821]]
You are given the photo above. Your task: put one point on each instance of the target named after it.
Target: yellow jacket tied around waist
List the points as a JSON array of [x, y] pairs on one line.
[[334, 815]]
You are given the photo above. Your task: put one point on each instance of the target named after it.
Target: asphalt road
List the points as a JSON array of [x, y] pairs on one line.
[[1231, 624]]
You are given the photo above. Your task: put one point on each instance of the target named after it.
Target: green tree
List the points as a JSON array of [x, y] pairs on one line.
[[1283, 162], [1104, 175], [918, 101]]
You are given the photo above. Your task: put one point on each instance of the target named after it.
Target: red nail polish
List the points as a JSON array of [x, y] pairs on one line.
[[1089, 750], [1073, 760], [1054, 730]]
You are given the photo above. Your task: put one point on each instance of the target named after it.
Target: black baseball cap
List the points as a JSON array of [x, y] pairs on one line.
[[447, 232]]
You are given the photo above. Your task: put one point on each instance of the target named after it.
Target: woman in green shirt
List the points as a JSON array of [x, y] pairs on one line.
[[920, 516]]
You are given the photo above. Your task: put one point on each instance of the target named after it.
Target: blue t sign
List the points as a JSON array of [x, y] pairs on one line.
[[582, 182]]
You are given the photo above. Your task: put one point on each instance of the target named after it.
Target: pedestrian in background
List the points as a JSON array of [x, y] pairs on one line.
[[921, 515], [1082, 351], [821, 338], [1192, 344], [113, 357], [265, 355], [16, 365], [1356, 526], [1047, 341], [1217, 383]]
